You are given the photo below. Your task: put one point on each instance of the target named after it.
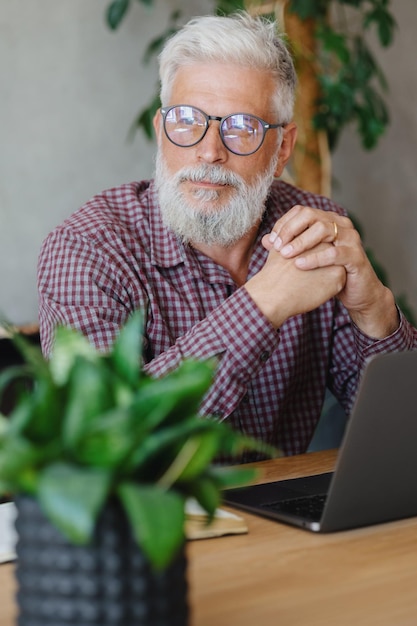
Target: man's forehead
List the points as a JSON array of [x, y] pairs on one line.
[[230, 87]]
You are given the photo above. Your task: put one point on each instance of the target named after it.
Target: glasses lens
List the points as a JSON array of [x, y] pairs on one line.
[[242, 133], [184, 125]]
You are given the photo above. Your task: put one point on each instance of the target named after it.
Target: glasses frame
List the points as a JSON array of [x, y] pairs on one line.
[[265, 127]]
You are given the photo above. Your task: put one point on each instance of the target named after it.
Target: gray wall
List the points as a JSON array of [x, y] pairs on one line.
[[70, 89]]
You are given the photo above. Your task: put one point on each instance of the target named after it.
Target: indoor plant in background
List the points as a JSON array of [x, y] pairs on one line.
[[100, 459]]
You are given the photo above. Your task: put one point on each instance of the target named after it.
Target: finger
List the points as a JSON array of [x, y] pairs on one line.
[[296, 222], [319, 232], [322, 256], [266, 241], [352, 258], [283, 230]]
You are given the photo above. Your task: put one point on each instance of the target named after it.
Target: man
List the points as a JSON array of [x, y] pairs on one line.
[[225, 260]]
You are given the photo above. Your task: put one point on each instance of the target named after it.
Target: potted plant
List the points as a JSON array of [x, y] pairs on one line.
[[100, 459]]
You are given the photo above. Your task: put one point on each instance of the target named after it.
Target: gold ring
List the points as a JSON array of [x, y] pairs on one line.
[[335, 232]]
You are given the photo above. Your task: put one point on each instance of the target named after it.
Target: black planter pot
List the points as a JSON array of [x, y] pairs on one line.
[[108, 582]]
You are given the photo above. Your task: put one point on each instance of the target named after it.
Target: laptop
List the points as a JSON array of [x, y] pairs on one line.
[[375, 477]]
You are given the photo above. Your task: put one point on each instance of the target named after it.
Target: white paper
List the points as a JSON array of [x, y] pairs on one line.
[[7, 532]]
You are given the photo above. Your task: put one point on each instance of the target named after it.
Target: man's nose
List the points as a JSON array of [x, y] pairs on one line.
[[211, 148]]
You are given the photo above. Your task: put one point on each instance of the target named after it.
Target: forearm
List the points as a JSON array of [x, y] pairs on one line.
[[238, 336]]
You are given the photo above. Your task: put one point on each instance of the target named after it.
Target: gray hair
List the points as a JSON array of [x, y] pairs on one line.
[[237, 39]]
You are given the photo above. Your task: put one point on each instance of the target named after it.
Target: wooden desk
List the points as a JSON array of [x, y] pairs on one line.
[[281, 576]]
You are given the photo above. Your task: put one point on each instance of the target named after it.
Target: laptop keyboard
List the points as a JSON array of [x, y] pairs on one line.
[[309, 507]]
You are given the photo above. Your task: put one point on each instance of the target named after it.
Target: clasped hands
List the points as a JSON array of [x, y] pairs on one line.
[[315, 255]]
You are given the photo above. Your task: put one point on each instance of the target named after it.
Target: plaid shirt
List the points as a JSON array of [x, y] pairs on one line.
[[114, 256]]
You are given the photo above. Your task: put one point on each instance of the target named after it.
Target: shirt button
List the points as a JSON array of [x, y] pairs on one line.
[[264, 356]]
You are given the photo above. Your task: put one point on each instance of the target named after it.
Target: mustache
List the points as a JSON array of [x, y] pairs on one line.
[[210, 173]]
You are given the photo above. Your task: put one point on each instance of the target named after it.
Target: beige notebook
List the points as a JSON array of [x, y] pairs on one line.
[[223, 523]]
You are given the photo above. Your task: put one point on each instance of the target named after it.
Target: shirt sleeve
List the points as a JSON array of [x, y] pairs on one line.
[[352, 349], [241, 339], [80, 286]]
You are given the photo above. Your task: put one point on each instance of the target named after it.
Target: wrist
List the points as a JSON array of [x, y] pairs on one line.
[[276, 315], [380, 320]]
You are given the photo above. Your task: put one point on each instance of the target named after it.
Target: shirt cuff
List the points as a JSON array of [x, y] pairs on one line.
[[400, 340]]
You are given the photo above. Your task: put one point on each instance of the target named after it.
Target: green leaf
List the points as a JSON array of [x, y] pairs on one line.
[[191, 460], [186, 386], [174, 397], [363, 63], [158, 449], [33, 414], [69, 345], [116, 12], [127, 349], [21, 416], [14, 374], [152, 406], [234, 443], [157, 517], [384, 23], [144, 119], [30, 352], [352, 3], [18, 461], [206, 492], [333, 42], [107, 441], [227, 477], [4, 427], [72, 498], [89, 395], [225, 7], [129, 436], [372, 118], [309, 9], [155, 45]]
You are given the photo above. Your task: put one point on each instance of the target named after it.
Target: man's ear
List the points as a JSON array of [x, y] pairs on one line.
[[157, 119], [287, 146]]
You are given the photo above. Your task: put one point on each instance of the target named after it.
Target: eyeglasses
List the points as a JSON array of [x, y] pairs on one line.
[[241, 133]]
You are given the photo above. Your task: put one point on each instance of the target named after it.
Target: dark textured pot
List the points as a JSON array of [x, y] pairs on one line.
[[108, 582]]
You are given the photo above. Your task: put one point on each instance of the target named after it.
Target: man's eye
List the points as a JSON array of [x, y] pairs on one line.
[[241, 129]]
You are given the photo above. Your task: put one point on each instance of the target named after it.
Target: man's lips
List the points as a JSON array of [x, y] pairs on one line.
[[206, 184]]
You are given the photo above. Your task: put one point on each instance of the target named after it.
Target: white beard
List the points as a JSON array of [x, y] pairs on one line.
[[221, 224]]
